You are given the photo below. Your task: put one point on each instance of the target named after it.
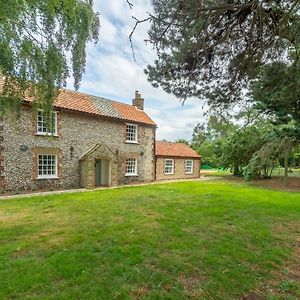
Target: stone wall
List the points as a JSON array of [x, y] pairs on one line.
[[77, 134], [179, 168]]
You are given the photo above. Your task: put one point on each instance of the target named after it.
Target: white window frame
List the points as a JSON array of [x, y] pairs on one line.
[[41, 132], [191, 167], [47, 176], [134, 173], [135, 141], [165, 166]]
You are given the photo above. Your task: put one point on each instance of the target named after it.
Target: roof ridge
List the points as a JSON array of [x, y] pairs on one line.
[[113, 108], [174, 149], [75, 92], [157, 141]]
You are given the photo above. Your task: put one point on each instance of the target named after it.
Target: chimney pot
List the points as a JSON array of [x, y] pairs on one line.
[[138, 101]]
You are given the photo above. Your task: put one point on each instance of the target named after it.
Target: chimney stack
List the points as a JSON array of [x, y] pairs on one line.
[[138, 101]]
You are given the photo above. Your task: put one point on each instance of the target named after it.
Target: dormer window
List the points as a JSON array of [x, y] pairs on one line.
[[46, 125], [131, 133]]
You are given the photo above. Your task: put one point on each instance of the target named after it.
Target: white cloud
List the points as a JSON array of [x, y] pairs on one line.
[[112, 72], [108, 31]]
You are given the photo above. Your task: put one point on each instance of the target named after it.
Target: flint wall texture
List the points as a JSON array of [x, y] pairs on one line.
[[77, 134]]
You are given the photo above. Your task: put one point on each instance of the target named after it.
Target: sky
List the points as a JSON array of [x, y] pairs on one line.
[[111, 71]]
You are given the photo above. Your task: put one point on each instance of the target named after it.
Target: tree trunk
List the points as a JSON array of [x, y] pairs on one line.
[[286, 166], [236, 169]]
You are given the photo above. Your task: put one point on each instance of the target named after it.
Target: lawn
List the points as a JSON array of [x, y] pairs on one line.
[[292, 172], [215, 172], [201, 240]]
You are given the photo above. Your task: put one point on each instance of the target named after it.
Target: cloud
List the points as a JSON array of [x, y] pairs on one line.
[[112, 72]]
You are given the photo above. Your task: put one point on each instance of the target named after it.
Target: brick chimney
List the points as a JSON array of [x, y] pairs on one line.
[[138, 101]]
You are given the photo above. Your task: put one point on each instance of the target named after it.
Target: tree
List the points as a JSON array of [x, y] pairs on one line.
[[217, 126], [214, 49], [279, 145], [183, 141], [277, 91], [210, 152], [241, 145], [230, 142], [208, 139], [41, 42]]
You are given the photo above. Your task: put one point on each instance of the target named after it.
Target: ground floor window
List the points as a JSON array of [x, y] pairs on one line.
[[169, 166], [47, 166], [189, 166], [131, 167]]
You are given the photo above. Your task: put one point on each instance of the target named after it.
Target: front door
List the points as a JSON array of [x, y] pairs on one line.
[[98, 172]]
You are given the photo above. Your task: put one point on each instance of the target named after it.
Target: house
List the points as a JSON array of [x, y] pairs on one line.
[[176, 161], [89, 141]]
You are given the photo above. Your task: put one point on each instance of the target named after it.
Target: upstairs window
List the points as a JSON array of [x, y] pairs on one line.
[[189, 166], [47, 166], [131, 167], [131, 133], [169, 166], [46, 125]]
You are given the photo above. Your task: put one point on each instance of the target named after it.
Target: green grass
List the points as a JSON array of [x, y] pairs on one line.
[[202, 240], [215, 172], [280, 172]]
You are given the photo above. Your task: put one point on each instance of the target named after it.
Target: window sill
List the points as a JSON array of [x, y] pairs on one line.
[[189, 173], [169, 173], [132, 142], [50, 177], [131, 175], [46, 134]]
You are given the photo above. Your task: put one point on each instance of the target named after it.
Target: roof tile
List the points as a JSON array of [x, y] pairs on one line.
[[169, 149], [100, 106], [105, 106], [75, 101], [81, 102], [131, 113]]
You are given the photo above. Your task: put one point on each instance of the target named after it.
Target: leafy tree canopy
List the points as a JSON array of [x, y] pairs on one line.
[[183, 141], [213, 49], [208, 138], [216, 127], [41, 43], [231, 142]]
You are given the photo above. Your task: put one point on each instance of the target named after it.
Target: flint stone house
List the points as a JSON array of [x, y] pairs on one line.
[[92, 142], [176, 161]]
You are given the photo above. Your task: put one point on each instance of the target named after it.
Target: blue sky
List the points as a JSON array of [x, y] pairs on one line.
[[111, 71]]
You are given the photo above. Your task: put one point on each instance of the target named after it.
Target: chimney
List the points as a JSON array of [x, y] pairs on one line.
[[138, 101]]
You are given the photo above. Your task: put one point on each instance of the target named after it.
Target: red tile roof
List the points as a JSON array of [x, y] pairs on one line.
[[75, 101], [81, 102], [100, 106], [169, 149]]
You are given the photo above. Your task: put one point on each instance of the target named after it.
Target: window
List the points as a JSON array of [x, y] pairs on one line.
[[131, 167], [189, 167], [131, 133], [47, 166], [169, 166], [43, 126]]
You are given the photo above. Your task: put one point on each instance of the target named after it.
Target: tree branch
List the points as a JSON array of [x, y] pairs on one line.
[[129, 4], [137, 22]]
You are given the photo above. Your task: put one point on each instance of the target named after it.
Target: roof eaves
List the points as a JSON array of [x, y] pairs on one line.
[[178, 156]]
